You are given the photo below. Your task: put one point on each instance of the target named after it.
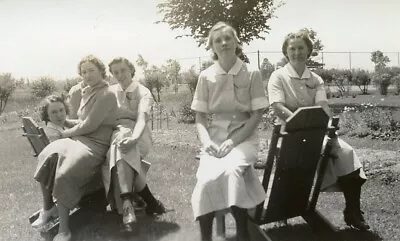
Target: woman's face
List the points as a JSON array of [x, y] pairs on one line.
[[297, 51], [57, 113], [90, 73], [122, 73], [224, 43]]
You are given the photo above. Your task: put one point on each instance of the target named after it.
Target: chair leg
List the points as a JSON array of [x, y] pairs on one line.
[[220, 225]]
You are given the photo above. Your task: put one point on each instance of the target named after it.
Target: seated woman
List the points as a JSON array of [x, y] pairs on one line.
[[236, 98], [53, 112], [294, 86], [78, 156], [123, 173]]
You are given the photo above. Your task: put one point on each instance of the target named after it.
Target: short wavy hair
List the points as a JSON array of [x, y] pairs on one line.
[[301, 34], [220, 26], [122, 60], [44, 106], [96, 61]]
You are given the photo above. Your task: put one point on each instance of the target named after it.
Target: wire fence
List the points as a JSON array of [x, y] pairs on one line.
[[330, 59]]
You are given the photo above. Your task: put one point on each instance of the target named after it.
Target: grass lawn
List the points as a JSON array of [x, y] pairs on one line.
[[172, 178]]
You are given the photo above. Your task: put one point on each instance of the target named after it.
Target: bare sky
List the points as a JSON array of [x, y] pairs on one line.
[[49, 37]]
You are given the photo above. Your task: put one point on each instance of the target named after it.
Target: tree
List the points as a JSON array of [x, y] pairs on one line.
[[266, 69], [149, 79], [317, 48], [172, 69], [249, 17], [362, 79], [206, 64], [379, 59], [43, 87], [190, 78], [7, 87]]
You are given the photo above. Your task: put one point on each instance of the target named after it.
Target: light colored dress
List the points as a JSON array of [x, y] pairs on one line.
[[53, 131], [78, 159], [287, 87], [136, 98], [231, 180]]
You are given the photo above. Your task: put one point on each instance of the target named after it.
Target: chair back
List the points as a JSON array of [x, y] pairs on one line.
[[35, 134]]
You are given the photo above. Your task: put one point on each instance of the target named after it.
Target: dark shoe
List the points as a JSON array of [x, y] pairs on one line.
[[128, 217], [355, 220], [157, 208]]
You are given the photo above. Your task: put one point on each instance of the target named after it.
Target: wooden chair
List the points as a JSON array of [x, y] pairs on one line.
[[299, 168]]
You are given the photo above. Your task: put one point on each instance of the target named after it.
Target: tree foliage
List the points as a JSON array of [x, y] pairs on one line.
[[171, 70], [43, 87], [7, 87], [379, 59], [153, 77], [190, 78], [266, 69], [249, 17], [362, 79], [312, 63]]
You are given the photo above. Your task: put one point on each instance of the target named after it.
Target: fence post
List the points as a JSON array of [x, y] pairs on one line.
[[258, 59], [152, 118]]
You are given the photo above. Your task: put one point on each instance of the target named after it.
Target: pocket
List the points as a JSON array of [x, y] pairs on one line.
[[243, 94]]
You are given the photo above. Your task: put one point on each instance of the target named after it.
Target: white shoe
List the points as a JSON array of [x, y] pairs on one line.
[[45, 216], [63, 237]]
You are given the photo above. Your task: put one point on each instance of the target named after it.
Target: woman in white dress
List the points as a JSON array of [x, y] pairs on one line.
[[235, 98], [294, 86]]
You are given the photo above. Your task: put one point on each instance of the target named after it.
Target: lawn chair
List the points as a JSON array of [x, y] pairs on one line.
[[299, 168], [94, 200]]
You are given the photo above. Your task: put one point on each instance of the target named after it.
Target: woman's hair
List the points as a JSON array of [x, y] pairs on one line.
[[44, 106], [122, 60], [220, 26], [96, 61], [301, 34]]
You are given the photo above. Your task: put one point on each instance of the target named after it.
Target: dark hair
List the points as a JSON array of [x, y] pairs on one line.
[[219, 26], [122, 60], [96, 61], [44, 106], [303, 35]]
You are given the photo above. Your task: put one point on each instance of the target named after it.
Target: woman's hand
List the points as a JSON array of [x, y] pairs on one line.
[[225, 148], [126, 144], [211, 148]]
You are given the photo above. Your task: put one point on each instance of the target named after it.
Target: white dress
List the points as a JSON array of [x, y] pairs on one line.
[[231, 180]]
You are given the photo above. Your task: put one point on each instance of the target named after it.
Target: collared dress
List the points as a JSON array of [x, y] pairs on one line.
[[136, 98], [294, 91], [53, 131], [78, 159], [230, 97]]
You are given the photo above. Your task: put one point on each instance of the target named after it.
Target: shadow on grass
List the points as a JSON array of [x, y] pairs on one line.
[[98, 226], [303, 232]]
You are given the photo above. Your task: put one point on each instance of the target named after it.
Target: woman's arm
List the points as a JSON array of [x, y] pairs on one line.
[[325, 107], [201, 124], [97, 114], [247, 130], [69, 123], [281, 111]]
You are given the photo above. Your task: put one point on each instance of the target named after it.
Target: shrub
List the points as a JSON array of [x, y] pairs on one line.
[[396, 82], [185, 113], [383, 82], [7, 87], [68, 83], [43, 87]]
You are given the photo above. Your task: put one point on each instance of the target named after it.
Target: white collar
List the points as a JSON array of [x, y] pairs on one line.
[[293, 74], [233, 71], [130, 88], [51, 125]]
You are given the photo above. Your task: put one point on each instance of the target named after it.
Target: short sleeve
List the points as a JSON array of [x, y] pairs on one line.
[[145, 102], [275, 89], [200, 98], [259, 99], [320, 95]]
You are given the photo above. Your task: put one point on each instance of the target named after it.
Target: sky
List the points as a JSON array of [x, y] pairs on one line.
[[49, 37]]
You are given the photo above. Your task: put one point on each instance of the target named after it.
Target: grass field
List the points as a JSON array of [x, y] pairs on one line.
[[172, 178]]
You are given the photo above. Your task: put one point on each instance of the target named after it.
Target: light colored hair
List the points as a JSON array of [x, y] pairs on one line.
[[219, 26], [301, 34]]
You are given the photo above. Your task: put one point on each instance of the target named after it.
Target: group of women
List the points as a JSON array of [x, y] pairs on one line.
[[228, 91]]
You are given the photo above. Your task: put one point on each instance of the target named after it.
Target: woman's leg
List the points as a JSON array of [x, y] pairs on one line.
[[64, 233], [206, 223], [351, 187], [240, 215], [47, 197], [126, 176], [154, 206]]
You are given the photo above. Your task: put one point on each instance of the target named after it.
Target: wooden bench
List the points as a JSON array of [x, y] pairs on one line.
[[298, 166]]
